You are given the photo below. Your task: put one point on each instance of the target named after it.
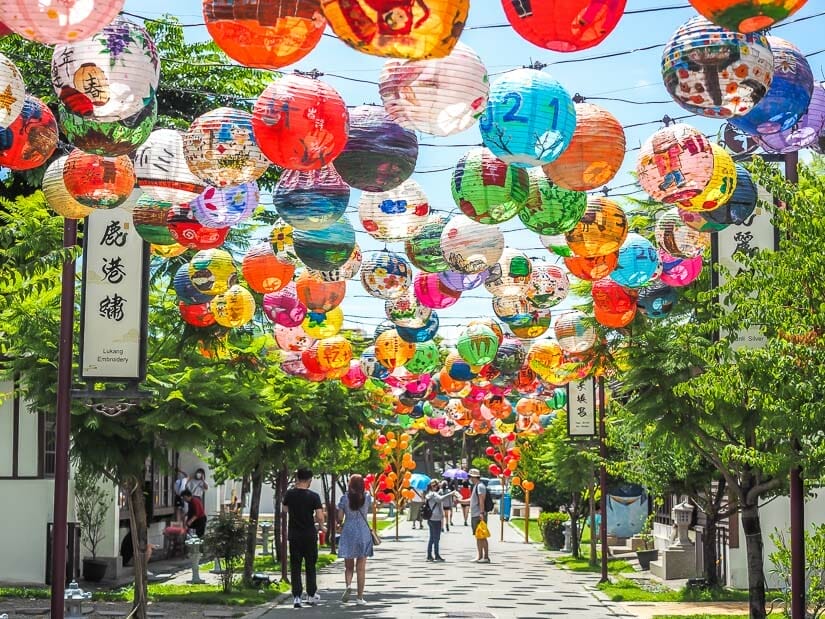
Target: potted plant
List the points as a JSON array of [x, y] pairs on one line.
[[647, 552], [92, 506], [551, 525]]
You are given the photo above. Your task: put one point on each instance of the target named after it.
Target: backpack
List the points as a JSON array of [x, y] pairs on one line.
[[426, 510], [488, 501]]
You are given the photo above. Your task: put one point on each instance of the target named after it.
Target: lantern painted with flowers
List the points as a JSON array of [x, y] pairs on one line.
[[213, 272], [326, 249], [386, 275], [56, 194], [189, 232], [510, 276], [715, 72], [477, 345], [58, 21], [431, 291], [679, 239], [470, 247], [109, 76], [318, 295], [233, 308], [162, 171], [263, 271], [14, 92], [311, 199], [391, 351], [424, 247], [720, 187], [564, 25], [398, 28], [573, 332], [529, 119], [31, 139], [99, 182], [222, 150], [407, 311], [394, 215], [438, 96], [601, 230], [747, 15], [548, 285], [594, 268], [675, 163], [487, 189], [551, 209], [264, 33], [300, 122], [638, 262]]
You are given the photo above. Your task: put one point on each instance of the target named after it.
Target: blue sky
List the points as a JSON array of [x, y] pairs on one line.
[[634, 77]]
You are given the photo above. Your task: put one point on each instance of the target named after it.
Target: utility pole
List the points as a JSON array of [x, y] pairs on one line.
[[603, 479]]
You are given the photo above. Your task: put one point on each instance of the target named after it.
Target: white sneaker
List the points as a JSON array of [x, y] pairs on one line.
[[347, 594], [361, 601], [296, 602], [314, 600]]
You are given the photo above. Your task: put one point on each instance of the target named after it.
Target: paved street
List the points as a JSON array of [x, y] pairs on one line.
[[400, 583]]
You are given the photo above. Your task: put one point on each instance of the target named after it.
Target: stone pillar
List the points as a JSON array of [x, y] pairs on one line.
[[682, 515], [567, 527], [194, 544]]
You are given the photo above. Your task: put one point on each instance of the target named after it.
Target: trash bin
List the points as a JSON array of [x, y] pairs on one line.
[[505, 506]]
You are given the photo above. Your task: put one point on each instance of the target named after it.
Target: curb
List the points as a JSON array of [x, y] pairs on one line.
[[261, 611]]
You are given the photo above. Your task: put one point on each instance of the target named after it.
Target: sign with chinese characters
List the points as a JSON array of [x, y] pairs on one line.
[[581, 409], [756, 233], [115, 299]]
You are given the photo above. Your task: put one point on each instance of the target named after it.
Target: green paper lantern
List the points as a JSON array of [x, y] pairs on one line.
[[487, 189], [551, 209], [426, 358], [477, 345], [424, 248]]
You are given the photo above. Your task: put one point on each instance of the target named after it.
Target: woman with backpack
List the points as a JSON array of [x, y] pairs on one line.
[[433, 512]]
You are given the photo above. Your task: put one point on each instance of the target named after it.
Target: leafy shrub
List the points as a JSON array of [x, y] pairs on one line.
[[551, 525], [226, 538], [814, 569]]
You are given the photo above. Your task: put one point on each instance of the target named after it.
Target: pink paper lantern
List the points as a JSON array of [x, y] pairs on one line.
[[678, 272], [675, 163], [432, 293]]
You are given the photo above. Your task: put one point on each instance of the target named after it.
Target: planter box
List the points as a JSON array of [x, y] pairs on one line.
[[645, 557]]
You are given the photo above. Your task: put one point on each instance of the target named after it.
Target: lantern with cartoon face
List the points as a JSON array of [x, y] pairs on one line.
[[233, 308], [213, 272], [263, 271]]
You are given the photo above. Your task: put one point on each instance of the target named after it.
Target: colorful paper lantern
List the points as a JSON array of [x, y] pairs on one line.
[[477, 345], [189, 232], [168, 251], [380, 154], [185, 289], [592, 269], [233, 308], [679, 272], [551, 209], [12, 92], [486, 189], [461, 282], [57, 21], [427, 358], [529, 119], [398, 28], [327, 249], [31, 139], [595, 153], [510, 356], [600, 231], [407, 311], [99, 182], [610, 296], [490, 324], [391, 351], [470, 247], [386, 275], [556, 244], [311, 199], [213, 272], [638, 262], [614, 320], [440, 96], [56, 194], [162, 171], [355, 377], [432, 292], [715, 72], [459, 370], [334, 353], [788, 97], [540, 322], [700, 222], [348, 271], [415, 335], [548, 285], [720, 187], [747, 15], [320, 325], [221, 148], [263, 271], [564, 25], [803, 134], [224, 207], [370, 365], [149, 217], [108, 76], [284, 307], [110, 138], [675, 163], [514, 311], [657, 300], [544, 357], [198, 315], [300, 122], [318, 295], [424, 247], [510, 276], [677, 238], [292, 339], [264, 33], [573, 332], [741, 205], [395, 215]]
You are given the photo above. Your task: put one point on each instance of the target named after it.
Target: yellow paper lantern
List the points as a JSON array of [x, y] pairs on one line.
[[213, 272], [392, 351], [720, 187], [320, 325], [233, 308], [334, 353]]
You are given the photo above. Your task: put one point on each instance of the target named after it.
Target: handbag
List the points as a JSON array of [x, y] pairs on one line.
[[376, 541]]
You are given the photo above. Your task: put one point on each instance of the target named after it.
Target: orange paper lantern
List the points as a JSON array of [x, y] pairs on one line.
[[334, 353], [264, 271], [391, 351], [601, 230], [99, 182], [592, 269], [319, 295], [747, 15]]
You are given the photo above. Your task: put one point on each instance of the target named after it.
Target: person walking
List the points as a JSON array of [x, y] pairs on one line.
[[478, 514], [306, 516], [415, 508], [356, 538], [433, 512], [464, 491]]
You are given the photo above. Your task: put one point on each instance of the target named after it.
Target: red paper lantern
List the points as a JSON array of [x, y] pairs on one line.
[[564, 25], [31, 139], [99, 182], [191, 233], [197, 315], [609, 296]]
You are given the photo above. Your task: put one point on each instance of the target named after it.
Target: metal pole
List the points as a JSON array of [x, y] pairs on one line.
[[526, 516], [63, 424], [603, 479]]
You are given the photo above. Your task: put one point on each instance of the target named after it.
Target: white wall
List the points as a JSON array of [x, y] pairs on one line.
[[6, 429]]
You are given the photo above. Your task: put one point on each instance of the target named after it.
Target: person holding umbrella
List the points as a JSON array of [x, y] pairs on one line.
[[433, 512], [418, 484]]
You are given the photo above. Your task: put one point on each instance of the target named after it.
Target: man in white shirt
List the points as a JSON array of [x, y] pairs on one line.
[[478, 515]]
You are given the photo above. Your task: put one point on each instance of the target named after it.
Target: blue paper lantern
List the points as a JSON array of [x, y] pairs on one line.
[[185, 289], [327, 249], [311, 199], [638, 262], [741, 204], [656, 301], [421, 334], [788, 97], [529, 120], [370, 365]]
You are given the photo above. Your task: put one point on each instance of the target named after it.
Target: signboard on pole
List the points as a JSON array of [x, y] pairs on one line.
[[581, 409], [114, 305]]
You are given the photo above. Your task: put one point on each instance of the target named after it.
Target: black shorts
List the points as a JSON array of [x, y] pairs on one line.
[[199, 526]]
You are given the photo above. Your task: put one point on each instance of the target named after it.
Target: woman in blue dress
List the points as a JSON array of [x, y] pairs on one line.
[[356, 540]]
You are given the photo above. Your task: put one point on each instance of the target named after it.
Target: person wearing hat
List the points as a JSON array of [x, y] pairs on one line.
[[477, 514]]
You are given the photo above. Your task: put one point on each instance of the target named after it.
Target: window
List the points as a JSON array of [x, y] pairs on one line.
[[48, 442]]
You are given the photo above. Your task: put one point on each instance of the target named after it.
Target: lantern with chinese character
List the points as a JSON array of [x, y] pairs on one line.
[[349, 269], [544, 357], [529, 119], [109, 76], [677, 238], [327, 249], [720, 187], [213, 272], [391, 351], [224, 207], [595, 152], [592, 269], [110, 138], [394, 215], [265, 33], [233, 308], [675, 163], [386, 275], [601, 230], [99, 182], [510, 276], [638, 262], [573, 332], [398, 28], [407, 311], [657, 300], [424, 247], [197, 315], [715, 72], [263, 271], [564, 25], [57, 21], [162, 171], [31, 139], [311, 199], [477, 345], [334, 353], [788, 97], [221, 148], [803, 134], [550, 209], [284, 307], [149, 217], [432, 293], [320, 325], [741, 205], [380, 154], [678, 272], [12, 92], [188, 231], [548, 285], [56, 194], [440, 96], [470, 247], [292, 339], [747, 15], [300, 122], [415, 335], [486, 189], [318, 295]]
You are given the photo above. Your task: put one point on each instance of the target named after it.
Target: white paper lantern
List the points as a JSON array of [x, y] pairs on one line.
[[510, 276], [162, 171], [471, 247], [574, 333], [220, 208], [407, 311], [394, 215], [12, 92], [59, 21]]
